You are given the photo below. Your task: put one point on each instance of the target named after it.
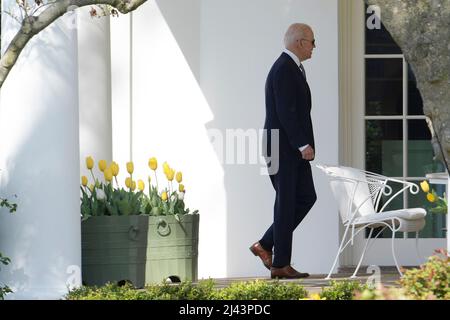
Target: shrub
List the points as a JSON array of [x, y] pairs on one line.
[[342, 290], [106, 292], [204, 290], [431, 280], [263, 290], [184, 291], [382, 293]]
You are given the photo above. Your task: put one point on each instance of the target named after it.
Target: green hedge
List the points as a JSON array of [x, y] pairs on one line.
[[207, 290], [342, 290], [204, 290]]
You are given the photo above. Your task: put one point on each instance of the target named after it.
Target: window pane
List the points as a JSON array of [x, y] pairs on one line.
[[435, 222], [384, 87], [420, 151], [415, 102], [379, 40], [384, 147]]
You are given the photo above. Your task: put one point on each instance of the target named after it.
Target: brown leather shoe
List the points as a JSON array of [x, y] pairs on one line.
[[286, 273], [259, 251]]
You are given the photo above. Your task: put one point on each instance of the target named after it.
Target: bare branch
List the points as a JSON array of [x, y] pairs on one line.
[[32, 25]]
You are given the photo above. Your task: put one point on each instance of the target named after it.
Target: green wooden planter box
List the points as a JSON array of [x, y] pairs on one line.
[[140, 249]]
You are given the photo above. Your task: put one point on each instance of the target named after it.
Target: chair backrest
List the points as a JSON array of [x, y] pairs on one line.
[[351, 191]]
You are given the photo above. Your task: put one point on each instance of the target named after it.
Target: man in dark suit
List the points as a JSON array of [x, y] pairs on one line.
[[288, 108]]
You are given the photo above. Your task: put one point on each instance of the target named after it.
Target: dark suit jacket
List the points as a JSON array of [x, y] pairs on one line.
[[288, 107]]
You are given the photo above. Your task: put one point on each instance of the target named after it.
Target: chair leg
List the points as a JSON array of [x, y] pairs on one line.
[[362, 255], [417, 248], [393, 249], [338, 254]]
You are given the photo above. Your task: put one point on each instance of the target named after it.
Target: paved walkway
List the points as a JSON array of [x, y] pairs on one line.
[[315, 283]]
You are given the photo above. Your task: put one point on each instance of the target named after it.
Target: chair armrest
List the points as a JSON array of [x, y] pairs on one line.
[[356, 180], [379, 179], [412, 187], [372, 180]]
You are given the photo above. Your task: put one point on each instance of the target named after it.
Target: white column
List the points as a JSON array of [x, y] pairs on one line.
[[39, 162], [94, 88], [120, 91]]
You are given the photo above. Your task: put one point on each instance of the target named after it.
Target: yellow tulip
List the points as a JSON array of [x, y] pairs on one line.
[[130, 167], [179, 177], [133, 185], [181, 187], [431, 197], [91, 187], [170, 174], [102, 165], [164, 196], [84, 181], [166, 167], [108, 174], [425, 186], [141, 185], [153, 163], [315, 296], [89, 163], [128, 182], [114, 169]]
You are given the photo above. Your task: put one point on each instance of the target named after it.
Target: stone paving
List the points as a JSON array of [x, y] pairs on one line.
[[315, 283]]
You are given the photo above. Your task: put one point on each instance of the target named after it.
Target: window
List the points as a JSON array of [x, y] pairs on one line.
[[397, 138]]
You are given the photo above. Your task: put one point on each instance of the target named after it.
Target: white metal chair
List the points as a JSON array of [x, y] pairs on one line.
[[358, 194]]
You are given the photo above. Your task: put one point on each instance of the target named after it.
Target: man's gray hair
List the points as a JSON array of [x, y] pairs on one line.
[[295, 32]]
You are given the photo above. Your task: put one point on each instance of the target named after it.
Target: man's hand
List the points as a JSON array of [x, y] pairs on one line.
[[308, 154]]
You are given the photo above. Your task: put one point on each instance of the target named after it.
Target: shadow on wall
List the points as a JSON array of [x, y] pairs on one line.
[[39, 162], [233, 60], [168, 120]]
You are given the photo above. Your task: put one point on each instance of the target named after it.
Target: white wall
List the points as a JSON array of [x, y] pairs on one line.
[[239, 42], [120, 90], [183, 19], [228, 47]]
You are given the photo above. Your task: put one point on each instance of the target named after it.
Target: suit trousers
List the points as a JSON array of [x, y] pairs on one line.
[[295, 196]]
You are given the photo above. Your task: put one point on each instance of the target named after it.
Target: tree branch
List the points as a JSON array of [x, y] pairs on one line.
[[32, 25]]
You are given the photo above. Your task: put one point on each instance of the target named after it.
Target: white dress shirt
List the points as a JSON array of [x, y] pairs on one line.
[[297, 61]]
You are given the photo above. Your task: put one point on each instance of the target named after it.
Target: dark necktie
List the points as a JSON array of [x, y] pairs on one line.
[[302, 70]]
